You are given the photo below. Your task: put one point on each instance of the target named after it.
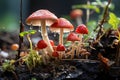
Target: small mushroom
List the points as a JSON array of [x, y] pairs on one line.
[[61, 50], [14, 46], [55, 54], [76, 14], [86, 54], [42, 18], [61, 26], [22, 54], [80, 30], [42, 45], [72, 37]]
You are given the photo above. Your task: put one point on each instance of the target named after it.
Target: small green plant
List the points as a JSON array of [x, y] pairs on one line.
[[114, 21], [8, 66], [33, 58]]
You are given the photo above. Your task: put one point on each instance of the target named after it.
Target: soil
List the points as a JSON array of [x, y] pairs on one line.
[[65, 70]]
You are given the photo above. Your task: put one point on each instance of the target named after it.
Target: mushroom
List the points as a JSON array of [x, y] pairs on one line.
[[55, 54], [72, 37], [23, 53], [61, 26], [76, 14], [86, 54], [61, 50], [42, 18], [42, 45], [81, 29], [14, 47]]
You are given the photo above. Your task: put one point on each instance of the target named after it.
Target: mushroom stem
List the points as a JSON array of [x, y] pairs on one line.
[[72, 44], [61, 53], [61, 36], [86, 56], [45, 36], [80, 36], [79, 44], [72, 51], [44, 56], [79, 20]]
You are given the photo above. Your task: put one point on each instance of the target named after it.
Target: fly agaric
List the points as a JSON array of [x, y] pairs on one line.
[[61, 50], [61, 26], [42, 18], [72, 37], [80, 30], [76, 14], [42, 45]]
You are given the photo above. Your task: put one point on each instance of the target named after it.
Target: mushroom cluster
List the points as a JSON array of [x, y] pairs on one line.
[[43, 18]]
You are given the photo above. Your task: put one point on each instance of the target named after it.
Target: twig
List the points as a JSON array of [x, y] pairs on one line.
[[21, 30], [15, 75], [100, 25]]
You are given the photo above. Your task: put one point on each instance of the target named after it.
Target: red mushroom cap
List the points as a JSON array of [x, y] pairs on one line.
[[51, 42], [76, 13], [60, 47], [72, 37], [61, 23], [81, 29], [55, 54], [41, 44], [14, 47], [36, 17]]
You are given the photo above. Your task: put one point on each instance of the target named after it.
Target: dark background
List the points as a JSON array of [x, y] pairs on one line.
[[9, 10], [59, 7]]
